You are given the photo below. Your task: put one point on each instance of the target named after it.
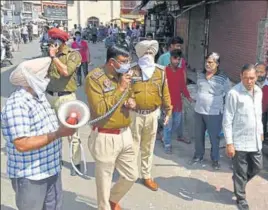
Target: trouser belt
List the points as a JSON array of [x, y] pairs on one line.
[[107, 130]]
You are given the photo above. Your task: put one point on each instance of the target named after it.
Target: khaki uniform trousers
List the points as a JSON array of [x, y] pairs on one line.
[[111, 151], [144, 130], [55, 103]]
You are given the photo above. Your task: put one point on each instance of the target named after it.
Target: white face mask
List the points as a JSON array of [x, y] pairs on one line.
[[147, 66], [37, 82]]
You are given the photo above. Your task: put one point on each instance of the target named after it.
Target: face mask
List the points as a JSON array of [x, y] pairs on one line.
[[58, 42], [78, 38], [147, 66], [37, 82], [124, 68], [261, 78]]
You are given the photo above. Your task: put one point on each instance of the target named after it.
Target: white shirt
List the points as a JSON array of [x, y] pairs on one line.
[[242, 118]]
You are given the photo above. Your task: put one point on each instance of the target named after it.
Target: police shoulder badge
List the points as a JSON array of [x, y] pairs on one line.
[[97, 74], [108, 86]]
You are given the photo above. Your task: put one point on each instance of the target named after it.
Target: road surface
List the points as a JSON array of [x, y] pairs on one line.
[[180, 186]]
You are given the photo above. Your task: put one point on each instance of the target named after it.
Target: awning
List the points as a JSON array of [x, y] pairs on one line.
[[124, 20], [140, 20], [4, 9], [131, 16]]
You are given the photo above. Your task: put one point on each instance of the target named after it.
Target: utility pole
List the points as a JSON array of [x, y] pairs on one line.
[[112, 9], [78, 12]]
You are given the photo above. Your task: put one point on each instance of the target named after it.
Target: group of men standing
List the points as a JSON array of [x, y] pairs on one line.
[[33, 134]]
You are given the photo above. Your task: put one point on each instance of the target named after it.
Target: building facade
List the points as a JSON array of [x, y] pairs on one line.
[[225, 27], [86, 12], [21, 11]]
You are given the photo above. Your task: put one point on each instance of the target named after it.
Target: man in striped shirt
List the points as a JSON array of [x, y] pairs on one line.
[[212, 86]]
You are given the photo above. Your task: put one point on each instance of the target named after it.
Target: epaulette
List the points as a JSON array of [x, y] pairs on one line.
[[160, 66], [97, 73]]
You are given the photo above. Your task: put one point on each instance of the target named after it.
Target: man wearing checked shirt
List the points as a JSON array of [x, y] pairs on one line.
[[33, 139]]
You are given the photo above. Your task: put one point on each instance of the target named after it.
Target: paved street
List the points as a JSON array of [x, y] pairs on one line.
[[181, 186]]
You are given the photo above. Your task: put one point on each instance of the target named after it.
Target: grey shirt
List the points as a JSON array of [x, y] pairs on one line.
[[210, 93], [242, 119]]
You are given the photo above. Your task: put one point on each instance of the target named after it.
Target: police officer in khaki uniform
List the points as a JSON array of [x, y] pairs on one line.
[[62, 86], [111, 143], [151, 93]]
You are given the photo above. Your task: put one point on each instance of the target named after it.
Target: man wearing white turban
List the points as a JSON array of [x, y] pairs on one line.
[[151, 92], [33, 139]]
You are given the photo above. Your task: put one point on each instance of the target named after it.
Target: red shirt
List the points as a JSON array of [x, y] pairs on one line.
[[177, 86], [265, 99], [83, 49]]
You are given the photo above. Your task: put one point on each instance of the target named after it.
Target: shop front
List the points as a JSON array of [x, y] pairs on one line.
[[130, 18], [160, 23]]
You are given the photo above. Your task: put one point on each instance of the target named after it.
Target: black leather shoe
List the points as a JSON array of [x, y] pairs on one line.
[[73, 172]]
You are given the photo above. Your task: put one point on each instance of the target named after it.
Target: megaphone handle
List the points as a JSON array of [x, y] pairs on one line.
[[83, 157]]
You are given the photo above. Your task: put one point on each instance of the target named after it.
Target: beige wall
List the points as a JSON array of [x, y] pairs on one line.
[[99, 9]]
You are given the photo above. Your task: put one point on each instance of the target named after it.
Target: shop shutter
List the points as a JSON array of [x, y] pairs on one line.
[[182, 30], [196, 38], [233, 33]]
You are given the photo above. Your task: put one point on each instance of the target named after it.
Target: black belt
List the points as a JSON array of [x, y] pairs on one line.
[[62, 93]]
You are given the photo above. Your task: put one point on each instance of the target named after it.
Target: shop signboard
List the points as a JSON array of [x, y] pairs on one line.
[[55, 12]]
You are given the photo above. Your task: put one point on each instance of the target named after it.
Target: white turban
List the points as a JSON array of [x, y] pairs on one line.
[[143, 46], [38, 67]]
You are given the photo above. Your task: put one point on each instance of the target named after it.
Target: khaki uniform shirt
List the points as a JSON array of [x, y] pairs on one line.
[[102, 92], [59, 83], [153, 93]]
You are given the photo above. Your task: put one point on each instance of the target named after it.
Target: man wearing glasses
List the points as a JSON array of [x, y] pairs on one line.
[[111, 143]]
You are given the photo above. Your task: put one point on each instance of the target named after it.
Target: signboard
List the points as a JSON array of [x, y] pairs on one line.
[[37, 11], [9, 15], [55, 12]]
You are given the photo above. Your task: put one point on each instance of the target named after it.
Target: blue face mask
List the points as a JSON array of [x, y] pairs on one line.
[[58, 42], [124, 68], [78, 38]]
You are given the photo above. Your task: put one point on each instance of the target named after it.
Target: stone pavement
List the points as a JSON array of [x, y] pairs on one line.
[[182, 187]]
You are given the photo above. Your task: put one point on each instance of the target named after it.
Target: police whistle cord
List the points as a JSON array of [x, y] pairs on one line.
[[80, 144]]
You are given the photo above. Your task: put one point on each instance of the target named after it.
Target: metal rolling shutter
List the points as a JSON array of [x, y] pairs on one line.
[[196, 38], [182, 31], [233, 33]]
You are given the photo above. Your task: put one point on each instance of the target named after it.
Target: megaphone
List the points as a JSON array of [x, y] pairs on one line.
[[73, 114]]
